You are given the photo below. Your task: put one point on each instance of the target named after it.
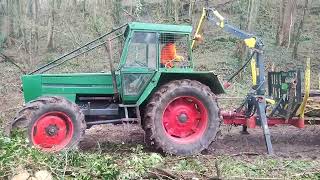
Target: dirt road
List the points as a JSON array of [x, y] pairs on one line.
[[287, 141]]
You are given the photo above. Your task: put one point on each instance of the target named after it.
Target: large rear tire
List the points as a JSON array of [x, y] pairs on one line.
[[52, 123], [182, 117]]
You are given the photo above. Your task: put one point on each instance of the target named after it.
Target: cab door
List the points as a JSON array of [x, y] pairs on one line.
[[140, 65]]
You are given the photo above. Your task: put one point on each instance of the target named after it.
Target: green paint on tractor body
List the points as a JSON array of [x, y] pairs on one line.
[[67, 85], [139, 74]]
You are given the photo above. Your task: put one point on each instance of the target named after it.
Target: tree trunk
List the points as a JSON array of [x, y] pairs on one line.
[[84, 8], [168, 9], [36, 31], [190, 10], [254, 8], [50, 43], [281, 12], [287, 25], [23, 4], [95, 9], [131, 6], [116, 12], [30, 8], [299, 32], [19, 18], [9, 22], [176, 11], [59, 3]]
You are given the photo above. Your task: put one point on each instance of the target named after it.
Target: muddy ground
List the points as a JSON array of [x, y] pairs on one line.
[[287, 141]]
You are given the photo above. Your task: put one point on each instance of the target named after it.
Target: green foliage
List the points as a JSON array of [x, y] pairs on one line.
[[305, 37], [190, 165], [265, 167], [139, 163], [15, 154]]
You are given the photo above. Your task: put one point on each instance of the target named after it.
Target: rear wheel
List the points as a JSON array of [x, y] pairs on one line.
[[52, 123], [182, 118]]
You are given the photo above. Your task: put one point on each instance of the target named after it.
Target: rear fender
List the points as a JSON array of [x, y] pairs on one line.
[[160, 78]]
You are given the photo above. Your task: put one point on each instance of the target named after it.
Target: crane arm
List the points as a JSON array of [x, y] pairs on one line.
[[251, 41], [213, 16]]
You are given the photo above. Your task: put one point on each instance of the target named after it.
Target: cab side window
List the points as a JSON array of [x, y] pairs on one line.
[[142, 50]]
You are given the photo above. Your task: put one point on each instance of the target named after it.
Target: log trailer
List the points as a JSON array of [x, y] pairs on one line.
[[177, 106]]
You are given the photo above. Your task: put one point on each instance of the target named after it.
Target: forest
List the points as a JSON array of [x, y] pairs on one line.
[[35, 32]]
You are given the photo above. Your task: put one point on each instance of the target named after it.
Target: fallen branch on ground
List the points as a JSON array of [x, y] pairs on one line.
[[166, 173], [11, 60], [251, 178], [307, 173], [245, 153]]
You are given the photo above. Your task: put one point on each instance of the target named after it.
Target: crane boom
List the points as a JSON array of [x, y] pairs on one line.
[[213, 16]]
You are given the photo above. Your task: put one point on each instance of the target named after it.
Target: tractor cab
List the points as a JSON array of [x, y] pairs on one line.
[[157, 46], [150, 48]]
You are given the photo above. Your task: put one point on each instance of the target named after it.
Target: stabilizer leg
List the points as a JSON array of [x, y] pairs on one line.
[[244, 130], [261, 107]]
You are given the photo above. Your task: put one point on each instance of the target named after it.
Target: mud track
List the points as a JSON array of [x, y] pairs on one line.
[[287, 141]]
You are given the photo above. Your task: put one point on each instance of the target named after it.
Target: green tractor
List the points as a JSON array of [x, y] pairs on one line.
[[175, 105], [155, 85]]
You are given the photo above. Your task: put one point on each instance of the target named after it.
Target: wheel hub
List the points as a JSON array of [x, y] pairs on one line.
[[52, 130], [185, 119]]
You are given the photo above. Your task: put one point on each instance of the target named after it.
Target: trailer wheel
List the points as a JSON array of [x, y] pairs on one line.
[[182, 118], [52, 123]]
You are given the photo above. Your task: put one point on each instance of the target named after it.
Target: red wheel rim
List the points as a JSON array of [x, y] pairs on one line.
[[52, 131], [185, 119]]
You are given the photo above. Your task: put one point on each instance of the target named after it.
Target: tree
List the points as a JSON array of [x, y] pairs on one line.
[[176, 11], [30, 8], [191, 3], [9, 22], [168, 9], [50, 43], [253, 8], [35, 26], [19, 18], [286, 22], [116, 12], [253, 12], [299, 31]]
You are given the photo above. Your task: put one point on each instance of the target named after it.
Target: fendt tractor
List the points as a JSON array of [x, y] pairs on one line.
[[155, 85]]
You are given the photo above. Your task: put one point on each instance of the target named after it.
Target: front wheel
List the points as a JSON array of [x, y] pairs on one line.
[[182, 117], [52, 123]]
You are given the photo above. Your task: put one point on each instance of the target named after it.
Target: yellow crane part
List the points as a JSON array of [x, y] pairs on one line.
[[270, 101], [203, 15], [254, 71], [307, 75], [250, 42]]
